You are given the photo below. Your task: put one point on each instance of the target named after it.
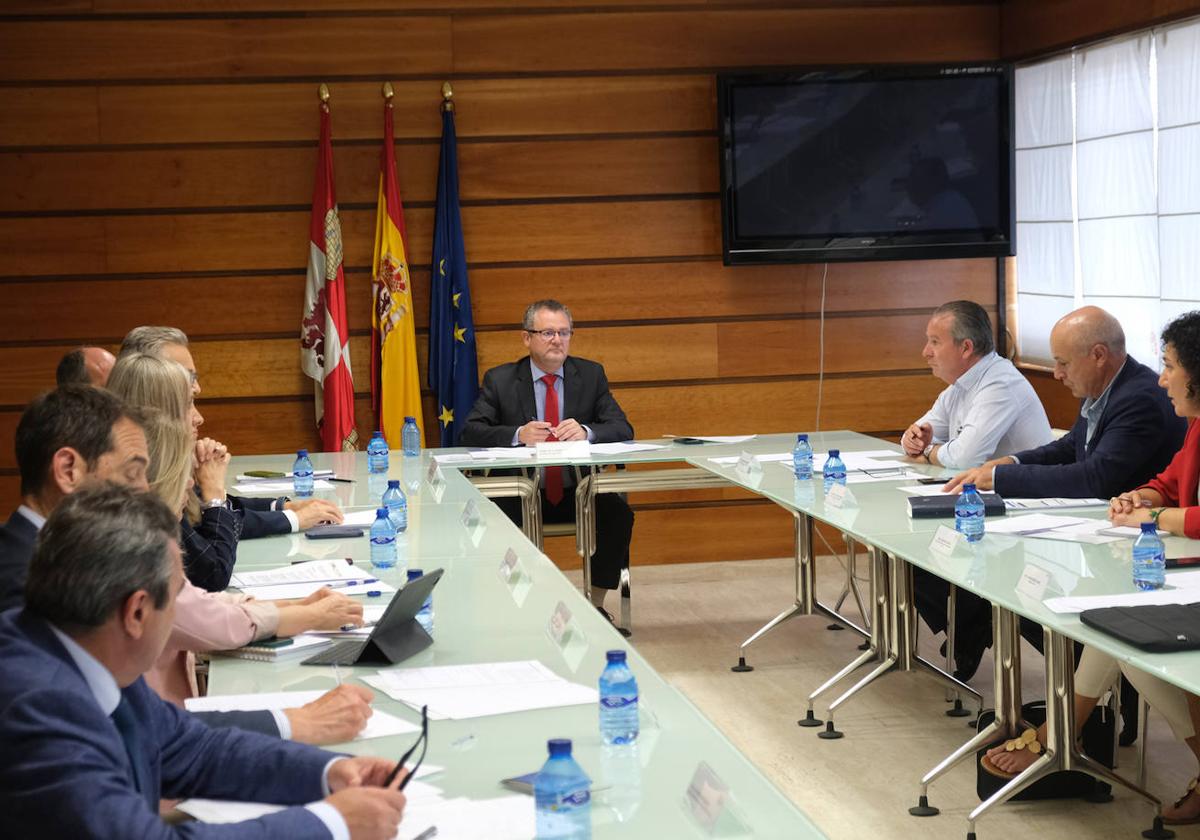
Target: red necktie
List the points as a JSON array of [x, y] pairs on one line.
[[554, 478]]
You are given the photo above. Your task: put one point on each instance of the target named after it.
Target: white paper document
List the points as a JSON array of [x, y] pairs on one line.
[[1030, 524], [371, 615], [494, 688], [454, 458], [1130, 531], [504, 818], [362, 518], [1048, 504], [1090, 532], [379, 725], [622, 448], [256, 479], [493, 453], [1154, 597], [303, 579], [721, 438], [276, 488]]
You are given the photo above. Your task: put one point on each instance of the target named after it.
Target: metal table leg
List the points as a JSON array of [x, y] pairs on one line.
[[523, 488]]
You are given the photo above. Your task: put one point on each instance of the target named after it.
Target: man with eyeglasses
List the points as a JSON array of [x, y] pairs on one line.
[[548, 396]]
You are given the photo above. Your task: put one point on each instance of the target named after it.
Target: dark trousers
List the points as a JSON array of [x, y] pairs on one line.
[[972, 614], [614, 530]]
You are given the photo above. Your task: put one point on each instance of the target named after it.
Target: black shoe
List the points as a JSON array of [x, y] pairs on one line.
[[605, 613], [1130, 703], [967, 661]]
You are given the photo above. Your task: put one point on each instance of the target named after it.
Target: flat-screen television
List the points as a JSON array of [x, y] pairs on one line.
[[867, 163]]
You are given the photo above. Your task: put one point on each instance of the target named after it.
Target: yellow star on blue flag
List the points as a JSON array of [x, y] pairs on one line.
[[447, 416], [460, 333], [454, 299]]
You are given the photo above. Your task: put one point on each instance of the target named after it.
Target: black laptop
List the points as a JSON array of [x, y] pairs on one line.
[[395, 637]]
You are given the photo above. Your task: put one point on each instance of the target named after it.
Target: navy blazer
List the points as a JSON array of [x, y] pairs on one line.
[[1136, 438], [258, 519], [17, 537], [66, 772], [506, 402]]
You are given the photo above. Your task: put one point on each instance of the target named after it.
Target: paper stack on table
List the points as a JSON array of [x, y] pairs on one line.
[[303, 579], [1181, 588], [1032, 524], [380, 724], [277, 488], [287, 476], [491, 688]]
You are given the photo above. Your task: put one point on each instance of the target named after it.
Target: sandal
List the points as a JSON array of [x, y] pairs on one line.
[[1027, 741], [1191, 788]]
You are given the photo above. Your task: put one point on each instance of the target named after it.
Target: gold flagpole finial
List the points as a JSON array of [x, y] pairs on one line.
[[388, 91], [323, 93], [447, 96]]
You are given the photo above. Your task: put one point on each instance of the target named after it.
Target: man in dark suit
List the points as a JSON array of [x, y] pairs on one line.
[[547, 396], [260, 517], [91, 748], [1126, 433], [77, 437]]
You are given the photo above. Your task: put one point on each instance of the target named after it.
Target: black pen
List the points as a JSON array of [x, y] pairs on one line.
[[427, 834], [340, 480]]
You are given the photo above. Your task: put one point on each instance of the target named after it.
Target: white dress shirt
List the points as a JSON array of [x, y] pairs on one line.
[[991, 410]]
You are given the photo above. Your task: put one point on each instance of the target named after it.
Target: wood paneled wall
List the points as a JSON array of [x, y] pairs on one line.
[[156, 165], [1034, 27]]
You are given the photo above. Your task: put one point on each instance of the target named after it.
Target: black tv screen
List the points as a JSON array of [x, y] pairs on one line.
[[867, 163]]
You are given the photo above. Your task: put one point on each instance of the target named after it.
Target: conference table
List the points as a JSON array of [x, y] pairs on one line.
[[495, 603], [874, 515]]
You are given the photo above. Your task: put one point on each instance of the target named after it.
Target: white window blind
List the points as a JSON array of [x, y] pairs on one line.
[[1108, 186]]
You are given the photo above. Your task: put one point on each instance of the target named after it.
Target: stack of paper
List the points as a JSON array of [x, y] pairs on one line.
[[303, 579], [287, 476], [276, 488], [469, 691], [1031, 524], [1154, 597], [622, 448], [379, 725], [1048, 504]]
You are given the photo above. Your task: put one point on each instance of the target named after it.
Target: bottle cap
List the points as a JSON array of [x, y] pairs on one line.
[[835, 453], [1149, 528], [968, 488], [410, 419], [377, 433], [559, 747], [413, 574], [801, 437], [616, 656], [303, 453], [381, 513], [393, 482]]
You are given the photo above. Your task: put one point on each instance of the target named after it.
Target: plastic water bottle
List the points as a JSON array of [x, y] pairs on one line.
[[969, 514], [410, 438], [562, 796], [425, 614], [302, 475], [618, 701], [397, 505], [835, 469], [802, 458], [383, 541], [1149, 559], [377, 454]]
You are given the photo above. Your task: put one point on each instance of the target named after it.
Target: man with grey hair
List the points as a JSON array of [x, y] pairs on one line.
[[989, 408], [547, 396], [93, 749], [260, 517]]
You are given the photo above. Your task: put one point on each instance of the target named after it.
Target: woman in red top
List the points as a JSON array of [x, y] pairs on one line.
[[1170, 500]]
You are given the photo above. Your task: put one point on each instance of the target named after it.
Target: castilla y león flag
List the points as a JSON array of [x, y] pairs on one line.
[[324, 334]]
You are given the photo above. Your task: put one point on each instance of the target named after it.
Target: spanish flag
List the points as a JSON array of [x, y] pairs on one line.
[[395, 389]]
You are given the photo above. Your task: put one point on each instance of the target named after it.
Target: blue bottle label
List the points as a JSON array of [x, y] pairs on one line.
[[616, 702], [576, 798]]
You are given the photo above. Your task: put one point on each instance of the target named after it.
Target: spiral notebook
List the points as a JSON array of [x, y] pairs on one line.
[[271, 651]]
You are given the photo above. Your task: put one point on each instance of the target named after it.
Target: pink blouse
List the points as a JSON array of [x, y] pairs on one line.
[[206, 621]]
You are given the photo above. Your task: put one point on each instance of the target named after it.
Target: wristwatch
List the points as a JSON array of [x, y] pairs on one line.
[[215, 503], [926, 453]]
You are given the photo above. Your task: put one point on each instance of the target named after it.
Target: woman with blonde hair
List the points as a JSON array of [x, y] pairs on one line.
[[205, 621], [210, 531]]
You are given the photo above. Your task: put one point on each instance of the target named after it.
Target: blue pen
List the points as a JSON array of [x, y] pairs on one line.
[[374, 593], [346, 583]]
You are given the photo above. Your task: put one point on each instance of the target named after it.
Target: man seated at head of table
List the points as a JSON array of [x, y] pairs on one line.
[[260, 517], [85, 366], [1170, 500], [92, 750], [77, 437], [987, 408]]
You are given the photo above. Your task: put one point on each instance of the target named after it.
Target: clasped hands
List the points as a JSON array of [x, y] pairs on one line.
[[539, 431]]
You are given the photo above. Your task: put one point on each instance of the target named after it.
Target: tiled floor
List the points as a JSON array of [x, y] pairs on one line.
[[689, 620]]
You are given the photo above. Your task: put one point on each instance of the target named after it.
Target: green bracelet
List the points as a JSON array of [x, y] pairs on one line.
[[1154, 514]]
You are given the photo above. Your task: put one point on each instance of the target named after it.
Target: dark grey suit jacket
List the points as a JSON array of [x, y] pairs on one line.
[[506, 402]]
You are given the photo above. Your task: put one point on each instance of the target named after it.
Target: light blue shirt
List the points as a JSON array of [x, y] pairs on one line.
[[1093, 409]]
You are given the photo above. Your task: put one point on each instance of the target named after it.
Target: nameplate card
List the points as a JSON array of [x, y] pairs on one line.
[[560, 624], [437, 480], [706, 797], [748, 467], [510, 566], [1033, 582], [839, 496], [558, 450], [472, 520], [514, 575], [945, 541]]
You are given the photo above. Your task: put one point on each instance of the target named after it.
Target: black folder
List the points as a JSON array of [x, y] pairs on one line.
[[1158, 628], [936, 507]]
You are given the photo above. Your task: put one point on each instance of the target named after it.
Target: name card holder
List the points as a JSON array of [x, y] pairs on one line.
[[839, 496], [558, 450], [472, 520], [945, 541], [1033, 582], [749, 469]]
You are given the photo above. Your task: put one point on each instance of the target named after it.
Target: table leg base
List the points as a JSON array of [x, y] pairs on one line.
[[830, 734], [1157, 831], [809, 720], [923, 808], [835, 626], [741, 667], [958, 710]]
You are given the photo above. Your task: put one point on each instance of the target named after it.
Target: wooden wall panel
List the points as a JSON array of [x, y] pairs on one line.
[[745, 37], [160, 170], [1061, 407], [1030, 27]]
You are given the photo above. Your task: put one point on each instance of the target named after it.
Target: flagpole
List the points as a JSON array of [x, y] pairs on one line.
[[447, 96], [323, 96]]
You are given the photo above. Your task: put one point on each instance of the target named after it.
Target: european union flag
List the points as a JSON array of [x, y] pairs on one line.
[[453, 369]]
